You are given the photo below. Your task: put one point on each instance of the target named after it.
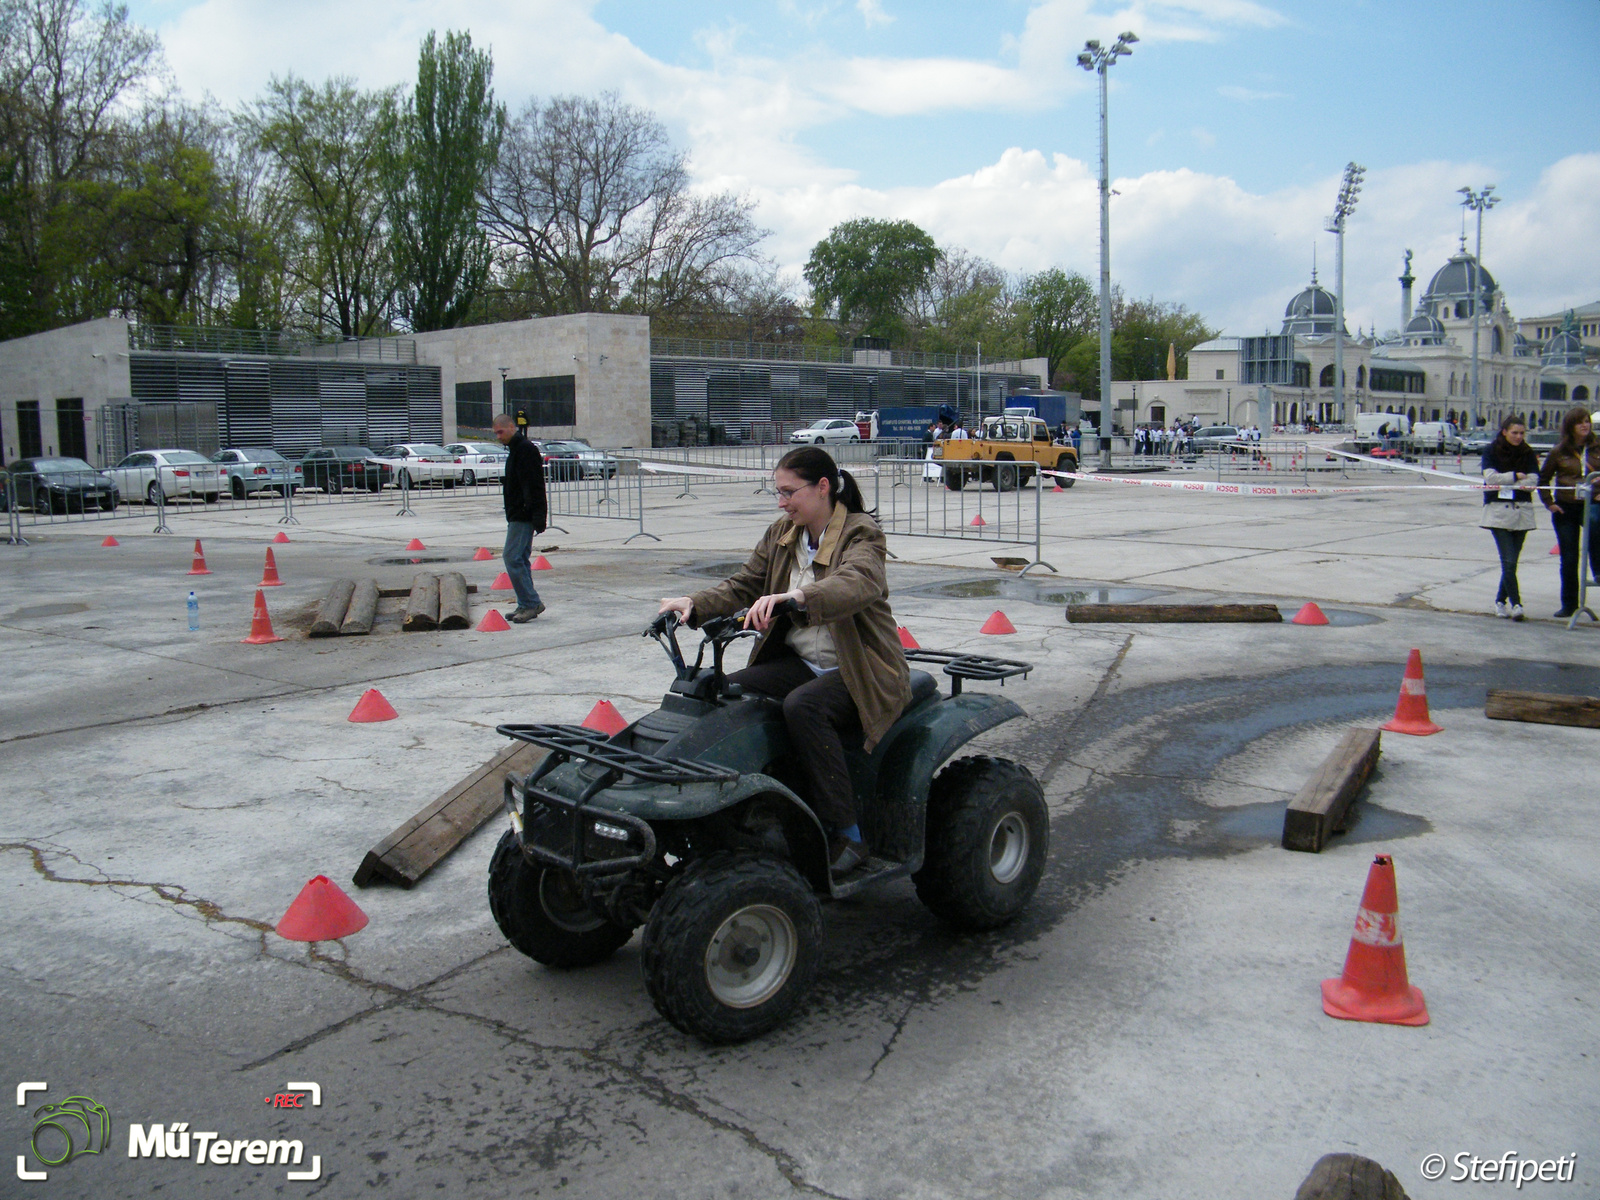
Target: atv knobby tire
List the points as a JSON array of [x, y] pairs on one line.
[[733, 946], [987, 841], [541, 911]]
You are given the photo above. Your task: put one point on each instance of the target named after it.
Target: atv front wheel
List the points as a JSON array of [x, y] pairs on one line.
[[542, 912], [988, 838], [732, 947]]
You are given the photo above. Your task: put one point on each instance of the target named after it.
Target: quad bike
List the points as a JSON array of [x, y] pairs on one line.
[[690, 822]]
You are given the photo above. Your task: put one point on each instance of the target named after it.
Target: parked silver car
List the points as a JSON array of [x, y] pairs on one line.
[[165, 474], [250, 469], [479, 460], [829, 429]]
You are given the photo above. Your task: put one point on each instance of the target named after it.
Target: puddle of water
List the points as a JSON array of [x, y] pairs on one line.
[[720, 570], [1338, 618], [414, 559], [1053, 592], [49, 610], [1367, 823]]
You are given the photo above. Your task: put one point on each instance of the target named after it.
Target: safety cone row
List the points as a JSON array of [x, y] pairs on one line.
[[199, 566], [269, 572], [260, 624], [1374, 985], [372, 707], [1411, 710], [1309, 614], [604, 718], [322, 912]]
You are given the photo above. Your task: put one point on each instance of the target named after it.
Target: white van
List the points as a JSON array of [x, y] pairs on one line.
[[1372, 428], [1436, 437]]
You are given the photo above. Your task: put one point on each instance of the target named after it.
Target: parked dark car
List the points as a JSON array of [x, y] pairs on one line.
[[59, 485], [338, 468], [561, 463]]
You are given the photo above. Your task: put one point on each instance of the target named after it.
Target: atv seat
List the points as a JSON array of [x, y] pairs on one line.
[[923, 687]]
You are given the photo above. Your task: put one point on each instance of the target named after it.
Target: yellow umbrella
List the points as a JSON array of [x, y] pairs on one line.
[[1172, 360]]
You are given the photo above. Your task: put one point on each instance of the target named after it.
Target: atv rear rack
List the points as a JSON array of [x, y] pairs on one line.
[[959, 665]]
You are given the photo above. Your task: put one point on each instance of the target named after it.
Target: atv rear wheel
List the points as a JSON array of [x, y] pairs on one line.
[[988, 838], [733, 946], [542, 912]]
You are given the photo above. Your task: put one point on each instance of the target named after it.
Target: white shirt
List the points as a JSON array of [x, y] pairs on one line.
[[813, 643]]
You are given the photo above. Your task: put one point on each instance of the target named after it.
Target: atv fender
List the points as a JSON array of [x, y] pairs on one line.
[[914, 750]]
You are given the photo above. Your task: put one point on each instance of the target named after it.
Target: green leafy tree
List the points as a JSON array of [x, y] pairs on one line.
[[870, 272], [1062, 308], [969, 302], [448, 142]]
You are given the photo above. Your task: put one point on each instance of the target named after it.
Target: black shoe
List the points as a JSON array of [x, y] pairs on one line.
[[523, 615], [844, 855], [1565, 613]]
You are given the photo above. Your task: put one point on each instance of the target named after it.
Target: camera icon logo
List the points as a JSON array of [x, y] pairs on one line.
[[76, 1126]]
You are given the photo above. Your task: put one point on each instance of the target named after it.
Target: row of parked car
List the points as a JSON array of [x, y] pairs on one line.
[[62, 484]]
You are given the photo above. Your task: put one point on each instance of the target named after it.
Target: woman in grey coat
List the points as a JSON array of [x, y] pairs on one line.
[[1510, 469]]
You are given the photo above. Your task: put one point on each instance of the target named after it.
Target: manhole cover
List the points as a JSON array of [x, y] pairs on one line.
[[50, 610]]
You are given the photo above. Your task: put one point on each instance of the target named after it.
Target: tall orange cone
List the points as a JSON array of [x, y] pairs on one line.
[[998, 622], [260, 624], [321, 913], [1310, 614], [372, 707], [542, 564], [484, 554], [1374, 985], [492, 622], [415, 544], [1411, 711], [604, 718], [502, 583], [199, 566], [907, 642], [110, 541], [280, 538], [269, 573], [977, 520]]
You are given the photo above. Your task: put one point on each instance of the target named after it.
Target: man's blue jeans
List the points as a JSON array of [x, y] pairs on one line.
[[519, 545]]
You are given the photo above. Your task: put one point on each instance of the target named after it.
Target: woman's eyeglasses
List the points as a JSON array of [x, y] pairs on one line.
[[790, 493]]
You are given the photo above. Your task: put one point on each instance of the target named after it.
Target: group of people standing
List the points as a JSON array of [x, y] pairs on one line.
[[1514, 478]]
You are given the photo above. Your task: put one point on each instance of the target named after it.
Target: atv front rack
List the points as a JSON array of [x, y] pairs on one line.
[[959, 666], [567, 742]]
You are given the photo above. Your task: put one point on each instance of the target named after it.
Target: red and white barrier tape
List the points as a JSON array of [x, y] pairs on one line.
[[1265, 489]]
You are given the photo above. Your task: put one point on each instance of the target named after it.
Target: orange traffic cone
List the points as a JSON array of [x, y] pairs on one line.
[[1374, 985], [998, 623], [199, 566], [1310, 614], [604, 718], [269, 573], [260, 624], [1058, 487], [977, 520], [542, 564], [321, 913], [907, 642], [415, 544], [502, 583], [484, 554], [1556, 549], [372, 707], [280, 538], [1411, 711], [492, 622], [110, 541]]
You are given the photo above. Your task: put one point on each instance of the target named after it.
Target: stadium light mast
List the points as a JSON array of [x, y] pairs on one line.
[[1097, 58], [1349, 189], [1477, 202]]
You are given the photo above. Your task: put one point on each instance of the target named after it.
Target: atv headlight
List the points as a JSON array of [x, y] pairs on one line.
[[615, 832]]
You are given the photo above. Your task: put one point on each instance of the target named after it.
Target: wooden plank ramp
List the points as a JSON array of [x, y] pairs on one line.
[[1150, 613], [1323, 805], [1542, 708], [416, 847]]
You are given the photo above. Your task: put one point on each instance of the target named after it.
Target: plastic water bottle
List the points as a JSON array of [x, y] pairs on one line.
[[194, 613]]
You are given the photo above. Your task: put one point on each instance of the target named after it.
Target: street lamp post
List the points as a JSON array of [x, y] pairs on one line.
[[1097, 58], [1477, 202], [1349, 189]]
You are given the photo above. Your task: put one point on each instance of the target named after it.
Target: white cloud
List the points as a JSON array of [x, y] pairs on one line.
[[872, 13]]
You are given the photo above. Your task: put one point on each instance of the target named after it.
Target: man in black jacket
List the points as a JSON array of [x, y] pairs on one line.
[[526, 513]]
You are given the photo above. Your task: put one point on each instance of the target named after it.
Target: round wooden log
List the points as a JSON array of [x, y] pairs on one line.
[[422, 609], [331, 615], [363, 609], [453, 610]]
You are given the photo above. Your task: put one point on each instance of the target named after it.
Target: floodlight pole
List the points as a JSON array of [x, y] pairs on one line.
[[1097, 58], [1349, 189], [1477, 201]]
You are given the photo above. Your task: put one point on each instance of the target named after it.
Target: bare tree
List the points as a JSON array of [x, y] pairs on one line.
[[592, 211]]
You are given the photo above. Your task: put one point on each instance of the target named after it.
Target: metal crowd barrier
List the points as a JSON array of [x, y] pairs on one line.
[[913, 500], [1586, 574]]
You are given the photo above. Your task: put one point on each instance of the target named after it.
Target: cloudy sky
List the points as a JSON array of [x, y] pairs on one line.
[[1230, 124]]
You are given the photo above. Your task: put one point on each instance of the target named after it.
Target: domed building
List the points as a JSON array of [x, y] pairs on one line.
[[1311, 311]]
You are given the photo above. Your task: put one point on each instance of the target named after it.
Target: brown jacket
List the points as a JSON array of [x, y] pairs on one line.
[[1567, 468], [850, 595]]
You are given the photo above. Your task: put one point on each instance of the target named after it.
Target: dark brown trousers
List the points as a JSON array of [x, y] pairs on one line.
[[819, 713]]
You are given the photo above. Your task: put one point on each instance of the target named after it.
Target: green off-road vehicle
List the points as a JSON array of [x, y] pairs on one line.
[[690, 823]]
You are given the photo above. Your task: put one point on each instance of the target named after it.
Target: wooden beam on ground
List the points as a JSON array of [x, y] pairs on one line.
[[415, 848], [1323, 805], [331, 615], [422, 609], [363, 609], [1083, 613], [454, 612], [1543, 708], [394, 593]]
